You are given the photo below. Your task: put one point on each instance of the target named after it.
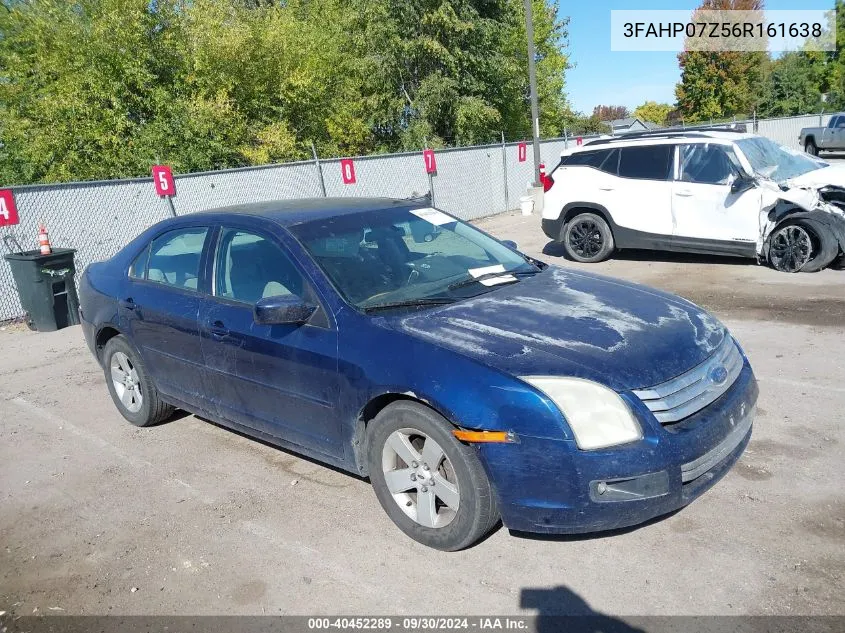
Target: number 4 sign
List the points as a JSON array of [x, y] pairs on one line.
[[8, 209], [163, 180]]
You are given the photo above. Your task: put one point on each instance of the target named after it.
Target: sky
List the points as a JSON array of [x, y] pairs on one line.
[[601, 76]]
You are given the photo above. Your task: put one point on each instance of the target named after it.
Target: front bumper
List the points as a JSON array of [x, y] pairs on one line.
[[550, 486]]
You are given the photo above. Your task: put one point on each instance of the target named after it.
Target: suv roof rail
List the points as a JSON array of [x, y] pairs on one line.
[[694, 132]]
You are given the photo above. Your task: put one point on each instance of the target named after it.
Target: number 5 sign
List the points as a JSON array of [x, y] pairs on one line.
[[163, 180], [8, 210]]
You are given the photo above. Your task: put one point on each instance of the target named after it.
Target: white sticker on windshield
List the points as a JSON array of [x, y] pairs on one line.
[[490, 270], [433, 216]]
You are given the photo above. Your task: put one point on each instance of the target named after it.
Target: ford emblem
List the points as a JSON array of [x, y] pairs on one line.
[[718, 375]]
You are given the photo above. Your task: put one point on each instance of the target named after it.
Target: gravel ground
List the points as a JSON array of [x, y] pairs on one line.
[[99, 517]]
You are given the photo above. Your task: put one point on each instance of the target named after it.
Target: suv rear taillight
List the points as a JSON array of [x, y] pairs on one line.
[[546, 181]]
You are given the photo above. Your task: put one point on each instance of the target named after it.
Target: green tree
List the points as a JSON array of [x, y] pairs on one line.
[[793, 86], [654, 112], [104, 88], [716, 85]]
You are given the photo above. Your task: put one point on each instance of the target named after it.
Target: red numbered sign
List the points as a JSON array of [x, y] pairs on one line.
[[163, 180], [521, 152], [579, 141], [347, 171], [430, 162], [8, 210]]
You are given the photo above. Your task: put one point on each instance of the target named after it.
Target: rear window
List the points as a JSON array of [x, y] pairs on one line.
[[603, 159], [648, 162]]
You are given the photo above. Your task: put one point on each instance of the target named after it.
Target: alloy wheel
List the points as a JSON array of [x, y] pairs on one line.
[[585, 238], [421, 478], [790, 249], [127, 386]]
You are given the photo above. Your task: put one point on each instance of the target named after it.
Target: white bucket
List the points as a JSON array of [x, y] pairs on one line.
[[526, 203]]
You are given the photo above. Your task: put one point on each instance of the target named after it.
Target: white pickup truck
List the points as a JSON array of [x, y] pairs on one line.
[[829, 137]]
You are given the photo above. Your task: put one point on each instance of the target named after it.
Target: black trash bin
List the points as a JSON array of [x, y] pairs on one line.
[[46, 287]]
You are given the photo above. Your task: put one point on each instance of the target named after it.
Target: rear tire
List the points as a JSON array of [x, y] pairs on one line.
[[131, 389], [587, 238], [810, 148], [446, 501]]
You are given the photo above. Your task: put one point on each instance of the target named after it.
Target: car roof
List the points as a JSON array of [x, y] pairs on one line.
[[670, 138], [297, 211]]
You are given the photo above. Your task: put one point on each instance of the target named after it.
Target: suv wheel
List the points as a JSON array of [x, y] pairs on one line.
[[810, 148], [791, 247], [587, 238]]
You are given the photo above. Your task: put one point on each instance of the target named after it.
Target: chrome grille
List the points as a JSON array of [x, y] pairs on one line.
[[682, 396]]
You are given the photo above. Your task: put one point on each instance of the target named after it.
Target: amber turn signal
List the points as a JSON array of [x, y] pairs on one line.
[[483, 436]]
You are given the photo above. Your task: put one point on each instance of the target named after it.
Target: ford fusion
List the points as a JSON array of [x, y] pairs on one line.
[[469, 382]]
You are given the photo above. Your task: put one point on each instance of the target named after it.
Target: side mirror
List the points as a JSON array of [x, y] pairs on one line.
[[510, 244], [742, 183], [283, 309]]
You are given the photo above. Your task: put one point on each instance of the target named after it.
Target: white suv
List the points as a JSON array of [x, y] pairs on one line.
[[712, 192]]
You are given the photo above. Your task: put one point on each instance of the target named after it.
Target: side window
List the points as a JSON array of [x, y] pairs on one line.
[[175, 257], [138, 268], [707, 163], [840, 123], [834, 122], [603, 159], [250, 267], [646, 162]]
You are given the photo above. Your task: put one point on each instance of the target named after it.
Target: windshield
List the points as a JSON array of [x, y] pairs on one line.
[[775, 161], [400, 257]]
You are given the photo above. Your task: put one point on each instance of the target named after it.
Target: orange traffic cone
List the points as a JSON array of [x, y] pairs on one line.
[[44, 240]]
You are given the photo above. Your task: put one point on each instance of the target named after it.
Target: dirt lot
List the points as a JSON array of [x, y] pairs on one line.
[[99, 517]]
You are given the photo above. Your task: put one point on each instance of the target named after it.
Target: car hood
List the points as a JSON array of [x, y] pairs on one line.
[[566, 323], [831, 175]]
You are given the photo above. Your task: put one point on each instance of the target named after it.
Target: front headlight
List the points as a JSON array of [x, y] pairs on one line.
[[597, 415]]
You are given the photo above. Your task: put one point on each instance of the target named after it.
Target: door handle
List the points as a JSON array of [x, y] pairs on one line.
[[683, 193], [606, 188], [218, 330], [128, 303]]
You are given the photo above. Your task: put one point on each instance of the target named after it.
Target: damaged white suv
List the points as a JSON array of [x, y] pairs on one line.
[[712, 192]]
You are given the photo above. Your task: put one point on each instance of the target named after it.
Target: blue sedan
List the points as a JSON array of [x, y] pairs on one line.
[[469, 382]]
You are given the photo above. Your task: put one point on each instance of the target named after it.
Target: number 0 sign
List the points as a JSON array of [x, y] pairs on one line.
[[347, 171], [163, 180], [8, 209]]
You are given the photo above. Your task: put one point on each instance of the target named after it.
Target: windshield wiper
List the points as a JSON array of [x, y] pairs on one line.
[[504, 273], [412, 303]]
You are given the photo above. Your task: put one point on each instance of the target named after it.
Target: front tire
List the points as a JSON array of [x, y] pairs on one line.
[[433, 487], [791, 248], [131, 389], [587, 238], [810, 148]]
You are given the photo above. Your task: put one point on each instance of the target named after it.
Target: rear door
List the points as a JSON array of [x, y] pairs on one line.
[[160, 307], [708, 217], [278, 379], [642, 195]]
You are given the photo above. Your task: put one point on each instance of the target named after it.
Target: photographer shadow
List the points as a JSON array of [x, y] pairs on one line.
[[561, 609]]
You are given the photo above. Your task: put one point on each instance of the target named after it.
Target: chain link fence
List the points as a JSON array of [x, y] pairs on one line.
[[98, 218]]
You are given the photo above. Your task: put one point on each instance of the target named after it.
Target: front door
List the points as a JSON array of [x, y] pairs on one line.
[[159, 307], [707, 216], [277, 379]]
